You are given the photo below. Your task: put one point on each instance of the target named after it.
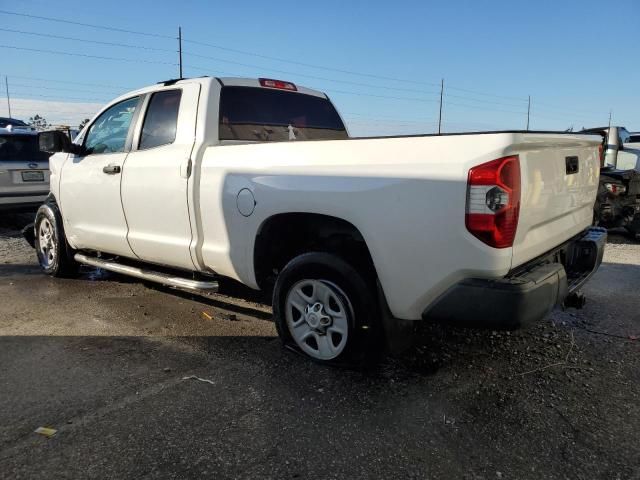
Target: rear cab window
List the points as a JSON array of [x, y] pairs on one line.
[[21, 148], [269, 115], [161, 119]]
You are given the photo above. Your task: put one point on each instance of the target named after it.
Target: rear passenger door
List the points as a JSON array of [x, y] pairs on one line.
[[156, 174]]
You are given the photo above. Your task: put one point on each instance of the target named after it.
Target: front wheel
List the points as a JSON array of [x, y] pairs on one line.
[[54, 255], [325, 308]]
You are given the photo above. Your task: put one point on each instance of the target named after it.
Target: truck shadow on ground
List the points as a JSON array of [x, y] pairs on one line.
[[436, 346]]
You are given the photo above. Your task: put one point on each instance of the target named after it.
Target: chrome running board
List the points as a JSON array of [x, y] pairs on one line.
[[150, 275]]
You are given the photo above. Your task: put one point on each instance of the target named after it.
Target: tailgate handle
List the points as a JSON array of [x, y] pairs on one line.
[[572, 165], [111, 169]]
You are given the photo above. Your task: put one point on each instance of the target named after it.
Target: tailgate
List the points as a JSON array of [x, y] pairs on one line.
[[18, 179], [24, 169], [560, 175]]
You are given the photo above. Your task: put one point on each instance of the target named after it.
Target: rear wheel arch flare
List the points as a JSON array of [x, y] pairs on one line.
[[283, 236]]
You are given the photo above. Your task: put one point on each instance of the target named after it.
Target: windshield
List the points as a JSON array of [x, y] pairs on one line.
[[266, 115], [23, 148]]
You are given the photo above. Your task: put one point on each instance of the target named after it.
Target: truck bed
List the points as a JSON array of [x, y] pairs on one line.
[[407, 196]]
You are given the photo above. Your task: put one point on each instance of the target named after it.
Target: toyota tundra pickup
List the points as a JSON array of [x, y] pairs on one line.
[[190, 180]]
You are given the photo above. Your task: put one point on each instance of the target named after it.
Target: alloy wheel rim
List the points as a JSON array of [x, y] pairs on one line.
[[317, 315], [47, 243]]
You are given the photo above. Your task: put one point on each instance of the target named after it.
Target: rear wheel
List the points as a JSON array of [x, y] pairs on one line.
[[325, 308], [54, 255]]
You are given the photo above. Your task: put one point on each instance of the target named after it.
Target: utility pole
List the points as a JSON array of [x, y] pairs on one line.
[[6, 84], [440, 115], [180, 49], [609, 118], [528, 112]]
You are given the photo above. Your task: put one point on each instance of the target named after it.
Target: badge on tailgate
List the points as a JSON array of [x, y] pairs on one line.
[[572, 165]]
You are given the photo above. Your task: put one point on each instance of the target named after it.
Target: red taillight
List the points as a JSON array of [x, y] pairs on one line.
[[493, 201], [601, 154], [268, 82]]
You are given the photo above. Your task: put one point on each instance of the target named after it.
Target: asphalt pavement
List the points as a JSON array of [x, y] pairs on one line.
[[140, 381]]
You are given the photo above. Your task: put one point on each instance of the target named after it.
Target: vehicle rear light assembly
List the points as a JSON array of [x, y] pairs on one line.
[[615, 189], [493, 201], [270, 83], [601, 154]]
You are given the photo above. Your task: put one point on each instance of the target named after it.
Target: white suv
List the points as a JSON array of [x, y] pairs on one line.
[[24, 170]]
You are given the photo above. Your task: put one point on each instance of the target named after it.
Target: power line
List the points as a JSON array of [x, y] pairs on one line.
[[258, 55], [304, 64], [56, 88], [475, 92], [85, 40], [554, 107], [360, 94], [44, 107], [485, 108], [244, 52], [114, 87], [492, 102], [70, 22], [99, 57], [388, 117], [89, 100], [315, 77]]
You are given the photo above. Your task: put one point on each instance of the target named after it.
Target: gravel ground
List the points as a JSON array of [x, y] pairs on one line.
[[103, 360]]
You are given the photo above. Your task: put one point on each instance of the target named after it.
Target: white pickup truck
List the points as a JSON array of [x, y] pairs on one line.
[[257, 180]]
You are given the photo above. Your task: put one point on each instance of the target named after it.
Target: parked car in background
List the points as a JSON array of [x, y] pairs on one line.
[[618, 201], [258, 180], [24, 169], [11, 122], [634, 138]]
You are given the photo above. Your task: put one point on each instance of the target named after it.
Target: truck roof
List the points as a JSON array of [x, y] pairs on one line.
[[255, 82], [227, 82]]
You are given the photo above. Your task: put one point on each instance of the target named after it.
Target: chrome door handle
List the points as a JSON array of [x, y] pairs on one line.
[[111, 169]]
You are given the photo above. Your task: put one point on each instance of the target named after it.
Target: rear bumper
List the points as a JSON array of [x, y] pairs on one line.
[[527, 295], [16, 202]]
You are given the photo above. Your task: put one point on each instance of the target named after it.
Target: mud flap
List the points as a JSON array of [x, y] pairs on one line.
[[399, 334], [29, 235]]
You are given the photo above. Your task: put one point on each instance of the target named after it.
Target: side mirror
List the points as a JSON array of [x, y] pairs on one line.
[[57, 141]]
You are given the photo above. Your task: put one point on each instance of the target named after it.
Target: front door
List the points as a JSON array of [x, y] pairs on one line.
[[90, 183], [156, 175]]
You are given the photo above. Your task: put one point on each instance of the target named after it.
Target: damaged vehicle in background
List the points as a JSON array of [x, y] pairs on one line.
[[358, 239], [618, 201]]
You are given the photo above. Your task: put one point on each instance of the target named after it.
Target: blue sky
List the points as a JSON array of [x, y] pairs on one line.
[[383, 60]]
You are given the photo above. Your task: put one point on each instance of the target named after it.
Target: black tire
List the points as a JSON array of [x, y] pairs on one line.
[[363, 345], [634, 231], [55, 256]]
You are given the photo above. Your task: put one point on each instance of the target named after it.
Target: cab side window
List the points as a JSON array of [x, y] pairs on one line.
[[108, 134], [161, 119]]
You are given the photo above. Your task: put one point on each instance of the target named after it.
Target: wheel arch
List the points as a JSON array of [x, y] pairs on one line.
[[283, 236]]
